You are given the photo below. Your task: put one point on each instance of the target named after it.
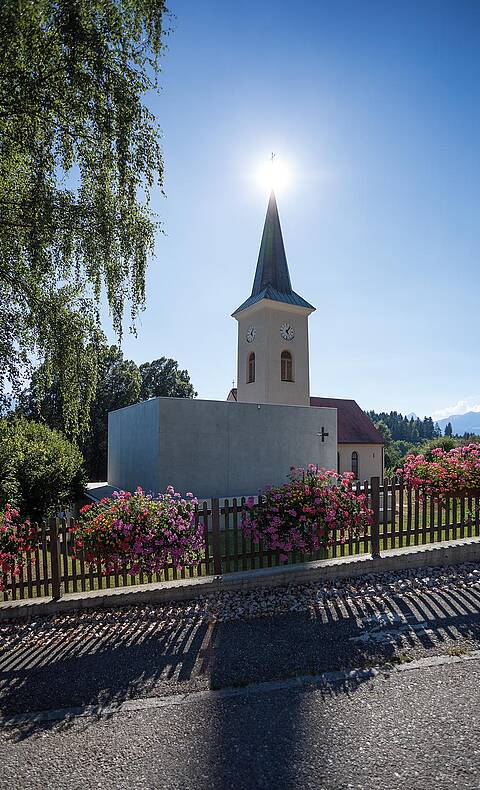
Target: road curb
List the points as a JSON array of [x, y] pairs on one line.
[[436, 554], [323, 680]]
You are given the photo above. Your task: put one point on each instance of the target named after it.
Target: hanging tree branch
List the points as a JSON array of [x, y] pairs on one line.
[[79, 157]]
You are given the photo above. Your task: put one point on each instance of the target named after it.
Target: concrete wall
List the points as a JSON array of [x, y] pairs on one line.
[[134, 446], [215, 448], [267, 317], [370, 459]]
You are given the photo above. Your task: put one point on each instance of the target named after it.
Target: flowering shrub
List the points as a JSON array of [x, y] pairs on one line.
[[446, 473], [301, 514], [16, 539], [140, 531]]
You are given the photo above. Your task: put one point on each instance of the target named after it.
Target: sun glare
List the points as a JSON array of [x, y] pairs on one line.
[[274, 174]]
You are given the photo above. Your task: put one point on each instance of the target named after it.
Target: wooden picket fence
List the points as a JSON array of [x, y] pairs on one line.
[[401, 518]]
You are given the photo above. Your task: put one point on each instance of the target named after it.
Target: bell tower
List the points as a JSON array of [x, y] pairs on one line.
[[273, 357]]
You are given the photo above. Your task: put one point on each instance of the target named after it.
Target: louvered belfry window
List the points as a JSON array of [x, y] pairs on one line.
[[286, 364], [251, 368]]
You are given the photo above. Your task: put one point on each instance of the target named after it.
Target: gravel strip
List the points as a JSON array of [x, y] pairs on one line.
[[375, 589]]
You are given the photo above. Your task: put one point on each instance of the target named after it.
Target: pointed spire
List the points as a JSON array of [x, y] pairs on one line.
[[272, 279], [272, 267]]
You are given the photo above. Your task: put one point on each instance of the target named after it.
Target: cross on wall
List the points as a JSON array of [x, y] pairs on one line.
[[323, 434]]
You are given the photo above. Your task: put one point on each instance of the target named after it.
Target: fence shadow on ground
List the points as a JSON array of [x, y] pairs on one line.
[[106, 666], [102, 659]]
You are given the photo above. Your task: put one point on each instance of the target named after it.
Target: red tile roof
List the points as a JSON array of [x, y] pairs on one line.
[[353, 425]]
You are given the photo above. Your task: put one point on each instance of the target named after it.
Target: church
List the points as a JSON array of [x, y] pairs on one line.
[[273, 356], [269, 421]]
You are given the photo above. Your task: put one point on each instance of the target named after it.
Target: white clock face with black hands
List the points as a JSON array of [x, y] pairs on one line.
[[251, 332], [287, 331]]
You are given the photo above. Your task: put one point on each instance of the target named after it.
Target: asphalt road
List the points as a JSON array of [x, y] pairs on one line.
[[104, 662], [415, 729]]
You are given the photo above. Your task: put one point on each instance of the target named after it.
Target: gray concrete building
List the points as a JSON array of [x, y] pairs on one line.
[[215, 448]]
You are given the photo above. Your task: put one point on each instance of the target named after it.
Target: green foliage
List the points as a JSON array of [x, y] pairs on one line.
[[41, 403], [163, 378], [40, 470], [395, 454], [120, 383], [383, 428], [448, 429], [404, 448], [445, 443], [402, 436], [79, 157], [9, 487]]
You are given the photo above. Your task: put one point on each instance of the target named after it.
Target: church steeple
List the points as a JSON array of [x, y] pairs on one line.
[[272, 361], [272, 278], [272, 267]]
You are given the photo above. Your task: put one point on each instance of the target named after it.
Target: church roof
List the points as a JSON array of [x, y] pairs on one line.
[[353, 425], [272, 278]]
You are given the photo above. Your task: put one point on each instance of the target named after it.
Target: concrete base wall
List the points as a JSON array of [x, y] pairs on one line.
[[434, 555], [215, 448]]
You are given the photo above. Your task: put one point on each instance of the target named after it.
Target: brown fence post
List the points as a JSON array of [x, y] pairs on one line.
[[375, 531], [217, 554], [55, 558]]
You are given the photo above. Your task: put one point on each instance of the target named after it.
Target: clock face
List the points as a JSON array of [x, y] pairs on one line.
[[251, 332], [287, 331]]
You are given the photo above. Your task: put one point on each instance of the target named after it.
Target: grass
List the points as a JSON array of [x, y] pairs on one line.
[[402, 658], [457, 650]]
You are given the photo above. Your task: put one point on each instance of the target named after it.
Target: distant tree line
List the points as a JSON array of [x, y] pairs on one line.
[[403, 435], [411, 429]]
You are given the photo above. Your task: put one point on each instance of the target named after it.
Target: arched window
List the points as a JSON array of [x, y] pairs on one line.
[[355, 464], [286, 364], [251, 368]]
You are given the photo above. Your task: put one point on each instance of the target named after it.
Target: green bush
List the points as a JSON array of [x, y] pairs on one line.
[[445, 443], [40, 470]]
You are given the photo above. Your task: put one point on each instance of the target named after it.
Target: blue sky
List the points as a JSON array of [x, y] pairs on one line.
[[375, 108]]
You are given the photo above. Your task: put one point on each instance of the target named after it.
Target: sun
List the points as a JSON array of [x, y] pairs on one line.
[[274, 174]]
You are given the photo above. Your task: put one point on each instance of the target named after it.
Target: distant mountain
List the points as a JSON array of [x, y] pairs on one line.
[[463, 423], [412, 416]]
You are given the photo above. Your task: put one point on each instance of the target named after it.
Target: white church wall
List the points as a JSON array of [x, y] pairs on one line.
[[370, 459], [215, 448]]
